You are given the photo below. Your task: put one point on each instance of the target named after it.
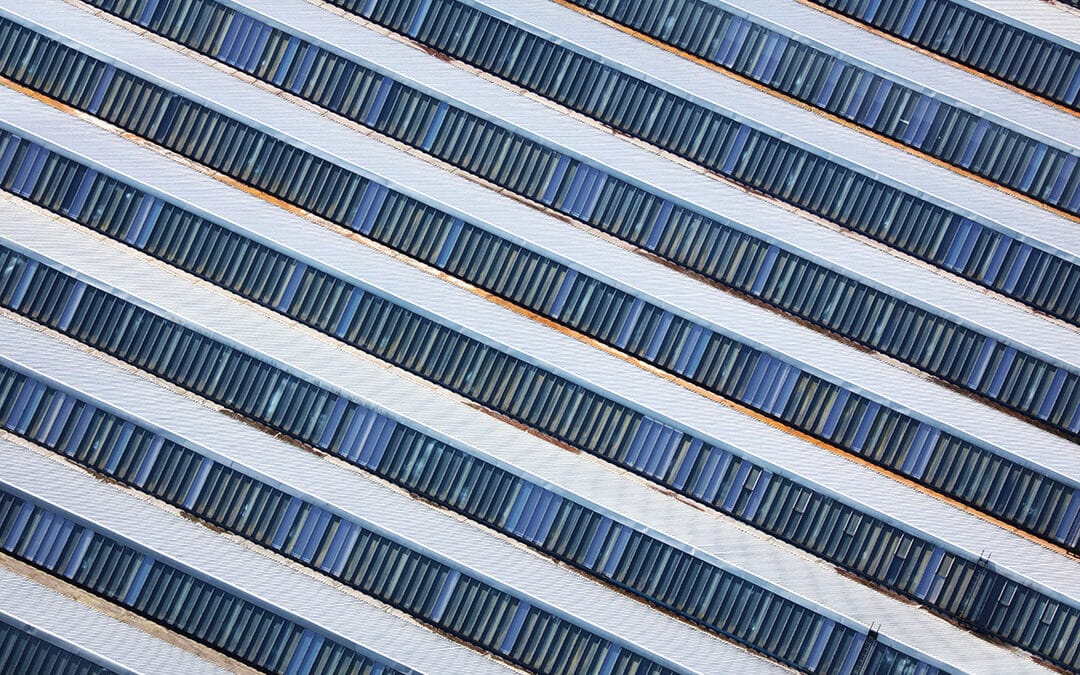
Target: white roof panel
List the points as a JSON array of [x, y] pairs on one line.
[[922, 284]]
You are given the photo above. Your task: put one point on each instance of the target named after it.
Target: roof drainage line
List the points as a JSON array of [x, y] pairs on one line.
[[933, 572]]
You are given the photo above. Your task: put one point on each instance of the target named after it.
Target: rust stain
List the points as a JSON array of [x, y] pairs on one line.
[[836, 118]]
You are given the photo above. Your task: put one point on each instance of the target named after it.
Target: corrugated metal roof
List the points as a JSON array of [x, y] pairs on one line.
[[347, 371], [428, 408], [927, 286], [671, 642], [922, 284], [863, 372], [711, 536], [356, 621]]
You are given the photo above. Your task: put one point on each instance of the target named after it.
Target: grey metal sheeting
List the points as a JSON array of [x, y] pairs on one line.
[[795, 124], [500, 563], [72, 626], [921, 72], [375, 630], [708, 536], [923, 285], [862, 372], [241, 324]]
